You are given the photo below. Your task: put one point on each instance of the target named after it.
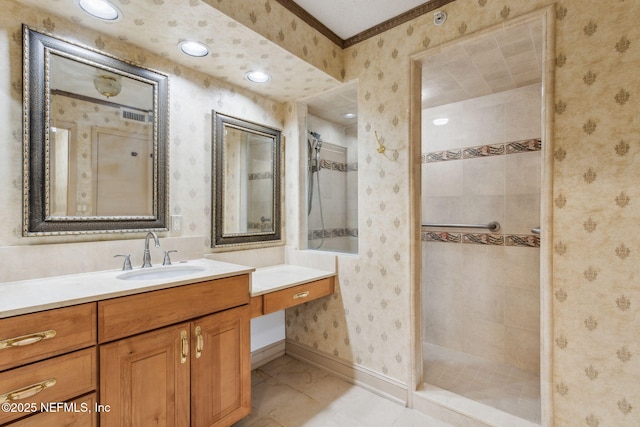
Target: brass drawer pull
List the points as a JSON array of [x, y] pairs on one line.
[[301, 295], [28, 391], [184, 350], [199, 342], [27, 339]]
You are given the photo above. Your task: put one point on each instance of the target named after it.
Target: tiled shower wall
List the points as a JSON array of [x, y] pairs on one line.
[[338, 184], [481, 289]]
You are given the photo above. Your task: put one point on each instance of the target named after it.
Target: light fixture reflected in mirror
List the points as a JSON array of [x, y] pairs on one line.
[[107, 85]]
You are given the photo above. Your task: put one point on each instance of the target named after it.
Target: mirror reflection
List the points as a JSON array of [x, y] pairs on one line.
[[101, 142], [248, 190], [246, 182], [96, 141]]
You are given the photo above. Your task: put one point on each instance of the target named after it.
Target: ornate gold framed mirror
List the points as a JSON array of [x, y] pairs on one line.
[[95, 141], [246, 183]]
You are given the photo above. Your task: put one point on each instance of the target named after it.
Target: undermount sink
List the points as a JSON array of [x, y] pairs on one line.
[[161, 272]]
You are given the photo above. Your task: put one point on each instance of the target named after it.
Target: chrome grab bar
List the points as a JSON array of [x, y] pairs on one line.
[[535, 230], [492, 226]]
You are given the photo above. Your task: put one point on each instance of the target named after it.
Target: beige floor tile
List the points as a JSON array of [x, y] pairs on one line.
[[290, 393], [412, 418]]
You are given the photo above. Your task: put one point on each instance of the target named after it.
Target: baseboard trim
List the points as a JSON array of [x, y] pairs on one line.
[[374, 382], [267, 354]]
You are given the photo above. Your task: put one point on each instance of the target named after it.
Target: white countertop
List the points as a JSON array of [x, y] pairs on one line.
[[28, 296], [277, 277]]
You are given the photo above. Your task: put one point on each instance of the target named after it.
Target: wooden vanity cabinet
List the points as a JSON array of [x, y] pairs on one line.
[[145, 379], [193, 373], [273, 301], [49, 358], [221, 368]]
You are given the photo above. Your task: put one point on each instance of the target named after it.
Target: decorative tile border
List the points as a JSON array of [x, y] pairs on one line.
[[525, 240], [332, 233], [490, 239], [524, 146], [441, 236], [260, 175], [484, 239], [262, 226], [338, 166], [515, 147], [483, 151], [441, 156]]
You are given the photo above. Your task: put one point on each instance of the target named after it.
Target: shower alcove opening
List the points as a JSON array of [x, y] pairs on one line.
[[481, 294], [331, 174]]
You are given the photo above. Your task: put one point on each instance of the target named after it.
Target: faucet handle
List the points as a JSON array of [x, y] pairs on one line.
[[127, 261], [167, 259]]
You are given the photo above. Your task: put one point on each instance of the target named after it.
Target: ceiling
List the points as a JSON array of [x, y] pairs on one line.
[[503, 60], [76, 77], [333, 105], [346, 18], [158, 26]]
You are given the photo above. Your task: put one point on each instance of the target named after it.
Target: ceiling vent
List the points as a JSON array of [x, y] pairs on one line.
[[135, 116]]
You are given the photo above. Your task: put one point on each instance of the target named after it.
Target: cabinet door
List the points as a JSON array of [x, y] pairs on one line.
[[221, 368], [145, 379]]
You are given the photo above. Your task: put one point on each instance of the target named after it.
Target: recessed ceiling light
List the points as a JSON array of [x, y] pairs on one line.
[[440, 121], [101, 9], [349, 116], [258, 76], [193, 48]]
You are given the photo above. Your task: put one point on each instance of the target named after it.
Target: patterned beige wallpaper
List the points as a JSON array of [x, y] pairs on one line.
[[277, 24], [596, 170], [596, 163]]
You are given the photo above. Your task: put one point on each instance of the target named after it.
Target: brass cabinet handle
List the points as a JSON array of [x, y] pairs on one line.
[[301, 295], [28, 391], [27, 339], [199, 342], [184, 351]]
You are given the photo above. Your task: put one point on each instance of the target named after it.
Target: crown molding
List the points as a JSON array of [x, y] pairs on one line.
[[366, 34], [312, 21], [395, 21]]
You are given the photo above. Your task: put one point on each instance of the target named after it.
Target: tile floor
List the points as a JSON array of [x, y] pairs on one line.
[[289, 393], [500, 386]]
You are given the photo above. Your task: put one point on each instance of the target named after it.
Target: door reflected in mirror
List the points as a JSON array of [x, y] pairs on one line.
[[246, 190]]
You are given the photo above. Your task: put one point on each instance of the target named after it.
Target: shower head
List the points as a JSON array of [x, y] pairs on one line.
[[317, 140]]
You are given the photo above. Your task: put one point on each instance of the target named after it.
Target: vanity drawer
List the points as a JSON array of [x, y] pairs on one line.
[[79, 413], [32, 337], [54, 380], [130, 315], [285, 298]]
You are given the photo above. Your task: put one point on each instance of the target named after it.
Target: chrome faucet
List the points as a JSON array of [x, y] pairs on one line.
[[146, 258]]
